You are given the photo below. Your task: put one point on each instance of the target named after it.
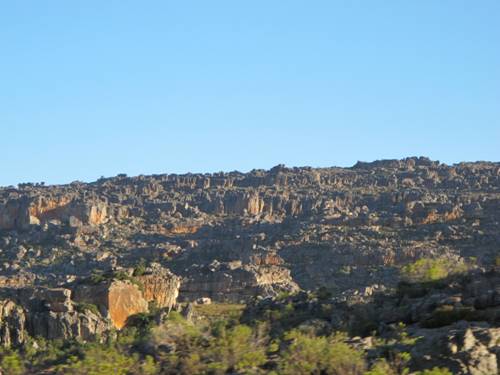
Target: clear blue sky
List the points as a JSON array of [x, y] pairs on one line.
[[91, 88]]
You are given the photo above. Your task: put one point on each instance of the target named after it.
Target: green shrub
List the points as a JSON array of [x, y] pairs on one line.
[[189, 346], [149, 366], [436, 371], [11, 363], [283, 295], [97, 278], [381, 367], [217, 311], [48, 353], [121, 275], [82, 307], [140, 268], [446, 315], [320, 355], [429, 270], [99, 360], [237, 348], [142, 321]]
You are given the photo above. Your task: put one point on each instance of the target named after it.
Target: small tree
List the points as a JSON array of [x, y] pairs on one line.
[[320, 355], [11, 363], [236, 348]]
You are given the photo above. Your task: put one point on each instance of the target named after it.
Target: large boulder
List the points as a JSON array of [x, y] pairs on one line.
[[161, 286], [235, 282], [20, 213], [47, 313], [116, 299], [12, 323], [465, 348]]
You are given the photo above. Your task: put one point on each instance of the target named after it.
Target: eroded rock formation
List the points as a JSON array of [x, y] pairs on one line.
[[48, 313], [234, 236], [160, 286]]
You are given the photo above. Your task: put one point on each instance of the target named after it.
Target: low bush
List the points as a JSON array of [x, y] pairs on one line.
[[320, 355], [446, 315], [82, 307], [429, 270], [11, 363], [435, 371]]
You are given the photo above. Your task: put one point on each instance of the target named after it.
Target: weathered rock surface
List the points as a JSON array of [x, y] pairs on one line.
[[464, 348], [235, 282], [234, 236], [160, 286], [22, 212], [452, 323], [338, 227], [48, 313], [117, 299], [120, 299]]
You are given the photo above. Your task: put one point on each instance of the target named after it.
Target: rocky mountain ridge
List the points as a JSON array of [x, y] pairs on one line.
[[232, 237]]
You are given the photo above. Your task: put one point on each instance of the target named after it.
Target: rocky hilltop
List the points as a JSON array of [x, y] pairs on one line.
[[121, 243]]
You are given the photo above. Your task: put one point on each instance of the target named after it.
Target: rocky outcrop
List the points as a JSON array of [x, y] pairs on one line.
[[116, 299], [236, 236], [242, 204], [47, 313], [342, 227], [451, 323], [22, 212], [84, 311], [14, 213], [12, 323], [160, 286], [464, 348], [235, 282], [124, 300], [120, 299]]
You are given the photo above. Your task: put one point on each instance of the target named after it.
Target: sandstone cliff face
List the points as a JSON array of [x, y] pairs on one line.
[[236, 236], [235, 282], [63, 313], [12, 323], [21, 213], [233, 236], [14, 214], [242, 204], [160, 286], [123, 301], [47, 313], [319, 222], [116, 299], [119, 300]]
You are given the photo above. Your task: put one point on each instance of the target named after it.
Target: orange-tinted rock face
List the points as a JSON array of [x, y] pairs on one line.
[[124, 300], [434, 217], [160, 289], [183, 229], [48, 208], [98, 214], [18, 214], [268, 259], [118, 298], [12, 323], [243, 203], [255, 205]]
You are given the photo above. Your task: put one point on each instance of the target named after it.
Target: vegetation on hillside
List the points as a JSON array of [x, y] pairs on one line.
[[269, 343]]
